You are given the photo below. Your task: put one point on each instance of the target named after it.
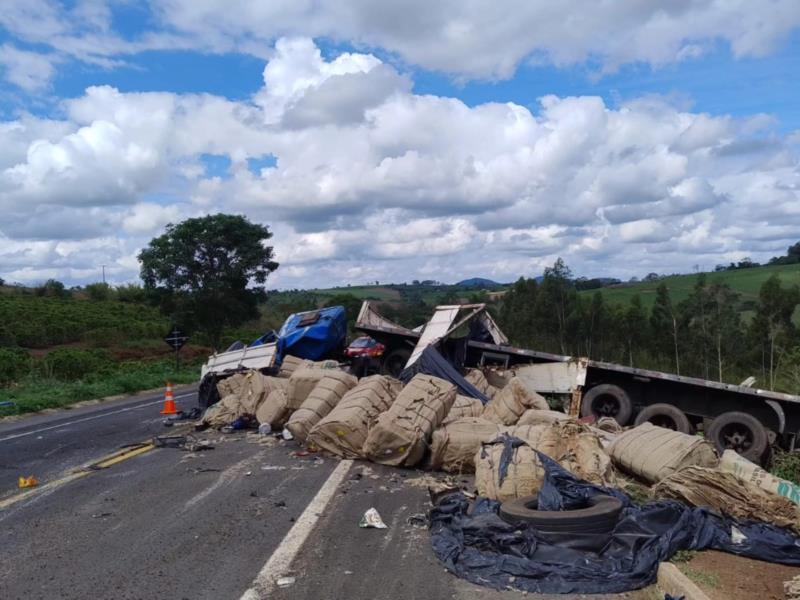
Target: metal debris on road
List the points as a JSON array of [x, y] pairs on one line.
[[372, 520], [285, 581]]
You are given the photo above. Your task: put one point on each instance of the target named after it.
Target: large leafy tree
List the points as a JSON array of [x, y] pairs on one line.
[[208, 272]]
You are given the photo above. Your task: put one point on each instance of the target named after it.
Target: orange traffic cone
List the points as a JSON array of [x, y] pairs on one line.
[[169, 402]]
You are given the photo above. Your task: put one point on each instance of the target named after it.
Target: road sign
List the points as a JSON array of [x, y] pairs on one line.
[[176, 338]]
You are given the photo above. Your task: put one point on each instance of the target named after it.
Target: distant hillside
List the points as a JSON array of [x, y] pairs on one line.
[[477, 282], [746, 282]]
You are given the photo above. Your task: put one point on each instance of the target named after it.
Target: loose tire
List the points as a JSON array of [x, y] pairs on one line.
[[599, 516], [740, 432], [665, 415], [395, 362], [607, 400]]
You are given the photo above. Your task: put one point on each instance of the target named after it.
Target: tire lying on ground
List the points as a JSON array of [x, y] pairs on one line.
[[600, 514], [740, 432], [665, 415], [587, 529], [607, 400]]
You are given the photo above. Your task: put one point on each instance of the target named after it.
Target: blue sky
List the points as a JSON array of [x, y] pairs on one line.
[[661, 132]]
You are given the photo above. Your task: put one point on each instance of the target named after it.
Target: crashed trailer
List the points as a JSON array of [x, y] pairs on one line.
[[742, 418]]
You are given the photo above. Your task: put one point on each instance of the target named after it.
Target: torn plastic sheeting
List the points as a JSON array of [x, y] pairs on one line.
[[431, 362], [481, 547]]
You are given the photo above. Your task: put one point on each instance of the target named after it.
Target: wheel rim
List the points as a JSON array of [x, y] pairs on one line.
[[736, 436], [664, 421], [606, 405]]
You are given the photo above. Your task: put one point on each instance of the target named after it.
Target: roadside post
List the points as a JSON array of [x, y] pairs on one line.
[[176, 339]]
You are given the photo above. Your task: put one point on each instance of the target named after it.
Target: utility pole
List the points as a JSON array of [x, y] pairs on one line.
[[104, 273]]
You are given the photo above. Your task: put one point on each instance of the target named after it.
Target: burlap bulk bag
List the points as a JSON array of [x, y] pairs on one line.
[[509, 403], [535, 416], [320, 401], [572, 445], [344, 430], [653, 453], [523, 477], [727, 494], [250, 387], [301, 382], [274, 411], [400, 435], [291, 364], [478, 379], [464, 407], [224, 412], [454, 444]]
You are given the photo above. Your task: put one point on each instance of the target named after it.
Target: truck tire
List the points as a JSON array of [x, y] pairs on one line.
[[207, 393], [607, 400], [599, 516], [740, 432], [665, 415], [395, 362]]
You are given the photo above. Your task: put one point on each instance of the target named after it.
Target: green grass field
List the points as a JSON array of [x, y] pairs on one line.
[[746, 282], [363, 292]]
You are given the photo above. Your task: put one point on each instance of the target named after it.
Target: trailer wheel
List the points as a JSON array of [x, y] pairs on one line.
[[607, 400], [395, 362], [740, 432], [207, 393], [665, 415]]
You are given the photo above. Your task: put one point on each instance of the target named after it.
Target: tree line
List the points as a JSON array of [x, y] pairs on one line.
[[704, 335]]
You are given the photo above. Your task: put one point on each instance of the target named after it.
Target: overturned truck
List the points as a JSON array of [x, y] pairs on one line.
[[736, 417]]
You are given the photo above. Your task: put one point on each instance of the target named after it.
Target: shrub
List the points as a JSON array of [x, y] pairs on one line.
[[14, 364], [70, 364], [98, 291], [786, 465]]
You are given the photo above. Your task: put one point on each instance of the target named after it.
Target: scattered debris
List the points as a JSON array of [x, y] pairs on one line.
[[287, 435], [372, 520], [284, 582], [27, 482], [102, 515], [182, 442], [792, 588]]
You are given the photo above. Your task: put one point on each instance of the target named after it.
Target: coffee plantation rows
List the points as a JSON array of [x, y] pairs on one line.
[[41, 322]]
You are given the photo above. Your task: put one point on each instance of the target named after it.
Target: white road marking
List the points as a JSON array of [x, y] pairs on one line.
[[280, 561], [68, 423]]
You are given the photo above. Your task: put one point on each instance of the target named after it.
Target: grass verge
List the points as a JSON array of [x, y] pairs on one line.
[[32, 394]]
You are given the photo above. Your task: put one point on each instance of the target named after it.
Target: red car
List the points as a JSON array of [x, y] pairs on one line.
[[364, 346]]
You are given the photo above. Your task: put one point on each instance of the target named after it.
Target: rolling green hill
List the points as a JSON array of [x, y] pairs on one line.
[[746, 282]]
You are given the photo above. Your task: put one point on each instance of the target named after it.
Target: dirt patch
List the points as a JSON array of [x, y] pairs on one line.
[[727, 577]]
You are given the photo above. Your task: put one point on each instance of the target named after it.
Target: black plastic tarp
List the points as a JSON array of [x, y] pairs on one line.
[[481, 547], [430, 362]]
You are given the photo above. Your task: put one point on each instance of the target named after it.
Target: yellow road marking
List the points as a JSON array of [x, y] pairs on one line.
[[103, 463]]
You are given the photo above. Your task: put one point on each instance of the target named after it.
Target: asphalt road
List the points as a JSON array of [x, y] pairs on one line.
[[206, 525]]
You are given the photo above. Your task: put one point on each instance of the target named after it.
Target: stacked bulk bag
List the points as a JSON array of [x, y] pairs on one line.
[[464, 407], [453, 445], [507, 468], [400, 436], [326, 394], [301, 382], [507, 405], [344, 430]]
